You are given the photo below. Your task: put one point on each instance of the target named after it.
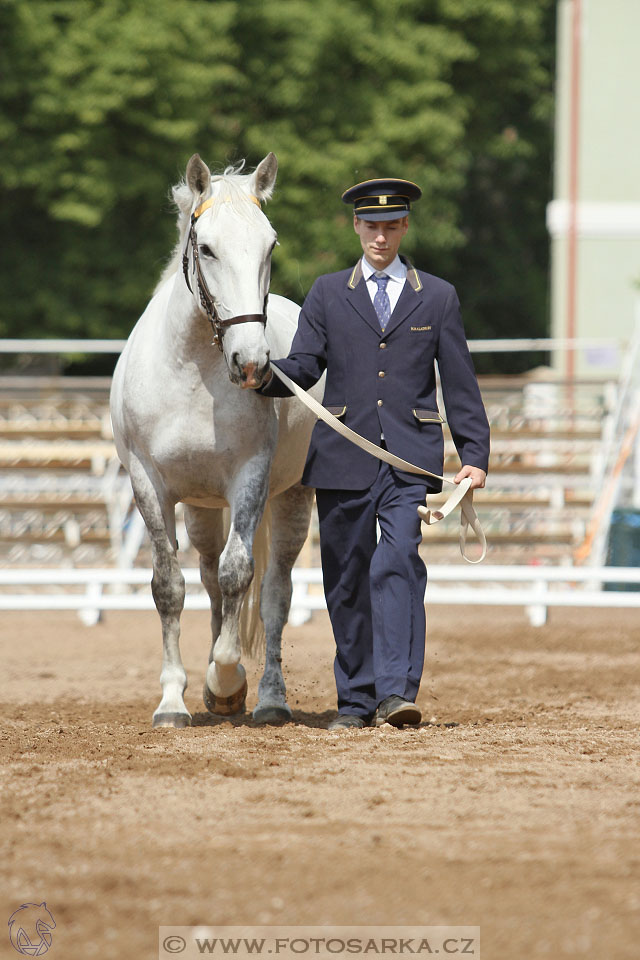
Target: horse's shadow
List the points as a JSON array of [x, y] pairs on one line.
[[300, 718]]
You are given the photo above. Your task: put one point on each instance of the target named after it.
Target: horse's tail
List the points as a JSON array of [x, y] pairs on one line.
[[252, 638]]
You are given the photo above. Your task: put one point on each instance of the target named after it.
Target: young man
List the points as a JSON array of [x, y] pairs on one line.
[[377, 329]]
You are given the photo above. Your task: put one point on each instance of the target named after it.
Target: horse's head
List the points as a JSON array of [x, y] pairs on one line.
[[228, 249]]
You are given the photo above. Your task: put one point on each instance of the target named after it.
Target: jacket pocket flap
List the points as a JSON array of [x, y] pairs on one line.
[[427, 416], [337, 411]]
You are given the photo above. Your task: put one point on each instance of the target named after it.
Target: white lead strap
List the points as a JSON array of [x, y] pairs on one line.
[[462, 495]]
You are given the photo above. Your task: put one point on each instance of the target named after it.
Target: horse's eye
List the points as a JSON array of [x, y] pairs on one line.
[[207, 252]]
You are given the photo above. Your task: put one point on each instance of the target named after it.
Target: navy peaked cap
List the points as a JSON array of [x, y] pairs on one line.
[[382, 199]]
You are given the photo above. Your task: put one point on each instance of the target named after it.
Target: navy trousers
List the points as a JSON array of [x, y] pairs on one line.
[[374, 589]]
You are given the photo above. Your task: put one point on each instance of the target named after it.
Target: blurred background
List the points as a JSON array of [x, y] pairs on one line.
[[102, 104], [520, 119], [515, 805]]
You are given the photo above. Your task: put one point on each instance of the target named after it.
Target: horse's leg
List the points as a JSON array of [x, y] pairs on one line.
[[226, 685], [167, 587], [225, 691], [205, 528], [290, 512]]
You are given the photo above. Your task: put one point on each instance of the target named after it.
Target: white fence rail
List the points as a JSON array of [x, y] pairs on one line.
[[475, 346], [537, 589], [534, 588]]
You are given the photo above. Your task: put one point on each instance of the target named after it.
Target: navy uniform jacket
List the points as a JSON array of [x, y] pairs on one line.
[[385, 383]]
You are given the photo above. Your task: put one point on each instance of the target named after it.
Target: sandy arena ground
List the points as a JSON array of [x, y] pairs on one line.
[[515, 807]]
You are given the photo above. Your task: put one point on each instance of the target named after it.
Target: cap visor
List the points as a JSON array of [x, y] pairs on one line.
[[383, 215]]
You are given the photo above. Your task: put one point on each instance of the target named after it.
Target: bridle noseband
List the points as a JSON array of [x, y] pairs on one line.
[[208, 304]]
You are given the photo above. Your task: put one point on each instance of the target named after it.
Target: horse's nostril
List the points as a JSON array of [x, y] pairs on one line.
[[249, 372]]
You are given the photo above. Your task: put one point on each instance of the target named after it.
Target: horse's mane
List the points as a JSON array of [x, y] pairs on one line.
[[231, 185]]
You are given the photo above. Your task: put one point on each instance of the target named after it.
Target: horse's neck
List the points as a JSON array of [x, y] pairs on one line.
[[187, 330], [282, 324]]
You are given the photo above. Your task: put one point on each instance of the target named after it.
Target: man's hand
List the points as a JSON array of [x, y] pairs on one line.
[[477, 475]]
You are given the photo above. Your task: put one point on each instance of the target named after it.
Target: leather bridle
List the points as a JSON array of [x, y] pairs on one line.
[[206, 299]]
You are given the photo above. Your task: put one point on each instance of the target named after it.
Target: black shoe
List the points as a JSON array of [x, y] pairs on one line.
[[347, 721], [396, 711]]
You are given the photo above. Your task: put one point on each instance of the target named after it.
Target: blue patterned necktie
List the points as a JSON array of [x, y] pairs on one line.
[[381, 300]]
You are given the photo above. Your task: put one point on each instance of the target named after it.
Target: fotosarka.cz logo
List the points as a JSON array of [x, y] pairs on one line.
[[30, 929], [319, 942]]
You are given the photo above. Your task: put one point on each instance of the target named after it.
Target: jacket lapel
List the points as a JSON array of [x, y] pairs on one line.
[[408, 301], [410, 298], [358, 297]]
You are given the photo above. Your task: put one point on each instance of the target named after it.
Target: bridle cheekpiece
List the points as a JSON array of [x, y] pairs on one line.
[[208, 304]]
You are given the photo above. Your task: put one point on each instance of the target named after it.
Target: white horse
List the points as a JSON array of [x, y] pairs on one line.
[[185, 434]]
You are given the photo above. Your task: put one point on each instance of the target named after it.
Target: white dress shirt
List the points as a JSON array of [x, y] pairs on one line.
[[397, 273]]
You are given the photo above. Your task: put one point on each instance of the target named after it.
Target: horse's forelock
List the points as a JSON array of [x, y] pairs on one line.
[[233, 169], [233, 190]]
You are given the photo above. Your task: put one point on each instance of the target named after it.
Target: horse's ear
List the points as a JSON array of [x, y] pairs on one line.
[[198, 177], [264, 178]]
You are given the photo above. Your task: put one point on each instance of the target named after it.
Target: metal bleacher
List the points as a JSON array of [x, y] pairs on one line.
[[61, 490], [64, 500], [546, 438]]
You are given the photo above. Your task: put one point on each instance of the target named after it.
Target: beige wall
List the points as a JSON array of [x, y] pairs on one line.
[[608, 214]]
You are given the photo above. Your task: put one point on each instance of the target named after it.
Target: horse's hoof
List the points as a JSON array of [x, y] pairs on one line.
[[225, 706], [272, 714], [176, 720]]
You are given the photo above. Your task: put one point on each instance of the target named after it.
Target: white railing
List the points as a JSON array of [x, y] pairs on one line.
[[475, 346], [62, 346], [536, 588], [541, 587]]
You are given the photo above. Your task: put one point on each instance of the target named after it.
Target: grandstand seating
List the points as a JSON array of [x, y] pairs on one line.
[[65, 501], [61, 491]]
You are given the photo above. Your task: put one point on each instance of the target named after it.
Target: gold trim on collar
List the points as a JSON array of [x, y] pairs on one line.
[[412, 275], [209, 203], [414, 279], [356, 275]]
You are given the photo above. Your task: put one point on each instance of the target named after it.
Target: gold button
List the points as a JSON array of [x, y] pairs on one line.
[[381, 373], [379, 403], [382, 346]]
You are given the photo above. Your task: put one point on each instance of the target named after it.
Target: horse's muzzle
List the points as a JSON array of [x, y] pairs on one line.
[[250, 376]]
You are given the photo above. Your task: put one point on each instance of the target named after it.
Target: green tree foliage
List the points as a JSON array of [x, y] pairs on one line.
[[103, 101], [365, 92], [100, 101], [502, 267]]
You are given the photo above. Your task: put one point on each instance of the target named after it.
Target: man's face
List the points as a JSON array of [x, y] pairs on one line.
[[380, 239]]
